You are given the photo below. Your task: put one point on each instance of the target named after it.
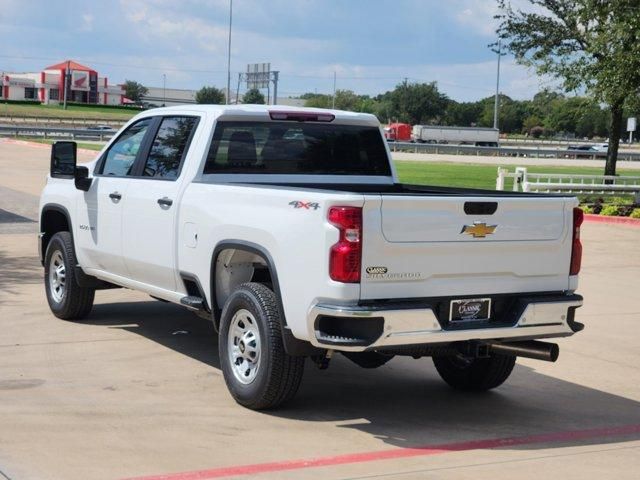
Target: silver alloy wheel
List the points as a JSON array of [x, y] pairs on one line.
[[57, 276], [243, 347]]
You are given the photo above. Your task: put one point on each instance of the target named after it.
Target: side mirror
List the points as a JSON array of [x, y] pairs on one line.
[[63, 159], [81, 178]]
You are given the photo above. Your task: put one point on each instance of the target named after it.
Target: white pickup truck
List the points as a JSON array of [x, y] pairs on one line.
[[289, 230]]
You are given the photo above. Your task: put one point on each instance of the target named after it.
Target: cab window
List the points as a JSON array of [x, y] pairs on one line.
[[122, 154], [168, 148]]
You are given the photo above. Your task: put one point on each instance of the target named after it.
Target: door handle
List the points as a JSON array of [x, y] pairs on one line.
[[165, 202], [115, 196]]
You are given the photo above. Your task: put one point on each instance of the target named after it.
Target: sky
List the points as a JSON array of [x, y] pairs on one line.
[[371, 45]]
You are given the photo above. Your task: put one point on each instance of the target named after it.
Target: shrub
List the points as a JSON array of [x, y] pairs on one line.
[[635, 213], [22, 102], [610, 211], [586, 209]]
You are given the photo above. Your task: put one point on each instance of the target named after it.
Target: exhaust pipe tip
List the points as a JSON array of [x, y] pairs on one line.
[[549, 352]]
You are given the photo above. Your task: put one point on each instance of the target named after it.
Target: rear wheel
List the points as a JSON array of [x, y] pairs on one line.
[[257, 370], [474, 374], [67, 299]]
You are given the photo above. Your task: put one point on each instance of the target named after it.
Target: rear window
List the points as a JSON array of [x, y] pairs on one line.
[[296, 148]]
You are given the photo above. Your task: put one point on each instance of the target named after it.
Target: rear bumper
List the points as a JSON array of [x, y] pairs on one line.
[[358, 328]]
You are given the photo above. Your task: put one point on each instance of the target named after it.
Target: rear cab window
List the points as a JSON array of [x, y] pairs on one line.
[[168, 148], [294, 148]]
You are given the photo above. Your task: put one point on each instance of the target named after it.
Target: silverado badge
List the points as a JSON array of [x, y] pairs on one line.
[[478, 229]]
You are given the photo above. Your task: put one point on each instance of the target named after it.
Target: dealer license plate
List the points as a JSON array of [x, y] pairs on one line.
[[470, 310]]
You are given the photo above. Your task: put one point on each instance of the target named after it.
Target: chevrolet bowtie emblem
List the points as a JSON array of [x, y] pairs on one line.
[[478, 229]]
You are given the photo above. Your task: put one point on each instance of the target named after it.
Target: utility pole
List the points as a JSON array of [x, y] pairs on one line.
[[333, 100], [66, 85], [275, 87], [229, 55], [497, 101]]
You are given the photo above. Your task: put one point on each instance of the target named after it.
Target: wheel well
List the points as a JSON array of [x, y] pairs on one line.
[[233, 267], [52, 222]]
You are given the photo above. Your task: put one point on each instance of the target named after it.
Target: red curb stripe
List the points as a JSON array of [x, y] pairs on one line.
[[424, 451], [634, 222]]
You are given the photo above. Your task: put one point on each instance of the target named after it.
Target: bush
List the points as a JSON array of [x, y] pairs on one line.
[[537, 132], [610, 211], [21, 102], [586, 209], [89, 106], [635, 213]]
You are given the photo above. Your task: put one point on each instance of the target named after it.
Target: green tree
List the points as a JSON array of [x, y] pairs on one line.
[[210, 95], [134, 90], [510, 116], [589, 44], [317, 100], [417, 103], [253, 96], [464, 114], [347, 100]]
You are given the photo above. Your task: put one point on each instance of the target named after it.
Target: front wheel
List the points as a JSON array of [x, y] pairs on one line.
[[256, 368], [474, 374], [67, 299]]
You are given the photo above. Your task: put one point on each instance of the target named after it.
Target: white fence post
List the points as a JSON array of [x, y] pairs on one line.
[[500, 179]]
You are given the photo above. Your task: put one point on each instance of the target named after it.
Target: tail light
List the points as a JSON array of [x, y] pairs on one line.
[[345, 257], [576, 248]]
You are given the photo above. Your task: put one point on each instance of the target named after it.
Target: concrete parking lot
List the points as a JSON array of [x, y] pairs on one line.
[[136, 390]]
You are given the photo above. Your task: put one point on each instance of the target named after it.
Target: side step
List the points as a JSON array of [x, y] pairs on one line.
[[192, 302]]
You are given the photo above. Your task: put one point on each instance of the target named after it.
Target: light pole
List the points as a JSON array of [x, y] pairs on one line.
[[66, 85], [164, 89], [229, 54], [497, 101]]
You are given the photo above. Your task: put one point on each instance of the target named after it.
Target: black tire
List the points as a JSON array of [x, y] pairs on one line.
[[71, 302], [368, 359], [277, 375], [474, 374]]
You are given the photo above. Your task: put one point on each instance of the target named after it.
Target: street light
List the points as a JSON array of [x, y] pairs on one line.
[[229, 54], [164, 89], [496, 105]]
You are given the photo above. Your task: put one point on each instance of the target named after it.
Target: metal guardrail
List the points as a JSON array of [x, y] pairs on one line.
[[505, 151], [53, 132], [569, 183], [47, 120]]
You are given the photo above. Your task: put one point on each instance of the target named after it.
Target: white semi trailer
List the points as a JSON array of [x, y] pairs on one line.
[[480, 137]]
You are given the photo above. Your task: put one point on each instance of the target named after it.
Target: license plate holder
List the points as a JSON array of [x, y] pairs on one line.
[[470, 310]]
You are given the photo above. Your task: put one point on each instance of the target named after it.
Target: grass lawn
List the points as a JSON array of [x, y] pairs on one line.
[[475, 175], [89, 146], [72, 111]]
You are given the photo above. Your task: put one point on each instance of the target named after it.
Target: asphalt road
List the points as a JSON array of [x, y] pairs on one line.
[[136, 390]]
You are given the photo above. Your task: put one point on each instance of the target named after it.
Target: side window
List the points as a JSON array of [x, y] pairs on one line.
[[123, 152], [169, 147]]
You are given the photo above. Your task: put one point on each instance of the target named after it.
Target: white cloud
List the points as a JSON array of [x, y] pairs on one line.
[[477, 15], [87, 23]]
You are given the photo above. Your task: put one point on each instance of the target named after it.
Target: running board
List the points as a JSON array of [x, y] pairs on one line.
[[193, 303]]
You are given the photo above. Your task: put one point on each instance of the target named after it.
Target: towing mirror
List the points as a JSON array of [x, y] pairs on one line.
[[81, 178], [63, 159], [63, 165]]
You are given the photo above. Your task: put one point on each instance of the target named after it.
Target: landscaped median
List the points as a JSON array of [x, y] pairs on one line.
[[634, 222]]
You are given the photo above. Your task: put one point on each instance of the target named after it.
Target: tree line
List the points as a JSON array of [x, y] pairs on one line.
[[548, 114]]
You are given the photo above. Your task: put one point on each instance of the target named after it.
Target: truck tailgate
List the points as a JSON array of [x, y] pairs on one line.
[[428, 246]]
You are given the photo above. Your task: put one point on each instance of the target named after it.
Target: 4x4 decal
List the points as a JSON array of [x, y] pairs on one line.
[[306, 205]]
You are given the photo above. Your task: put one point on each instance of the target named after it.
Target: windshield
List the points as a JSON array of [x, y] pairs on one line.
[[296, 148]]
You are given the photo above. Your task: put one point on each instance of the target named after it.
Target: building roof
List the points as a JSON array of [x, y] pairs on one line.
[[73, 65]]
